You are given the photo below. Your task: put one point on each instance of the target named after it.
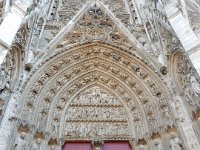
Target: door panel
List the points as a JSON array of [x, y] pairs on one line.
[[117, 146], [77, 146]]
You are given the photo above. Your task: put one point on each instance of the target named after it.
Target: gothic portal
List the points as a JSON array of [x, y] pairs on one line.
[[100, 75]]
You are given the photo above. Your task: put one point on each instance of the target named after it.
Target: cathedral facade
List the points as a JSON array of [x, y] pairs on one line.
[[100, 75]]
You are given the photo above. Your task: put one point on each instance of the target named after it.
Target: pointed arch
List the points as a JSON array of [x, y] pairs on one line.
[[58, 80]]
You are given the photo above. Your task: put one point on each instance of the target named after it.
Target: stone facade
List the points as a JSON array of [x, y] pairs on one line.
[[100, 70]]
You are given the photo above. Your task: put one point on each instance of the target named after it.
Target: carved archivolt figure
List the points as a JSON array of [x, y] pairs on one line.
[[175, 143], [192, 89], [36, 145], [157, 146], [3, 79], [20, 143], [195, 86]]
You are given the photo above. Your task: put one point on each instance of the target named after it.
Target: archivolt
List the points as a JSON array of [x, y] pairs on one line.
[[59, 80]]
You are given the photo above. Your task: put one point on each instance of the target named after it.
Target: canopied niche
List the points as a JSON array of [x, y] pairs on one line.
[[187, 82], [187, 79]]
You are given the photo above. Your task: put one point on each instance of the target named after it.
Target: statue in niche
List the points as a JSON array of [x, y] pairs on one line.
[[195, 86], [192, 88], [188, 96], [55, 127], [105, 114], [38, 7], [36, 145], [157, 146], [20, 143], [82, 130], [4, 80], [175, 143], [1, 105], [166, 112]]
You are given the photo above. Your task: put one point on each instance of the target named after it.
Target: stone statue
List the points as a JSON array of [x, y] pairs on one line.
[[175, 143], [38, 7], [20, 143], [188, 95], [36, 145], [1, 107], [166, 112], [157, 146], [195, 86], [3, 79]]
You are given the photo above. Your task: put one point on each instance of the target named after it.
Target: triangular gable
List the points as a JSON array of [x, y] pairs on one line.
[[96, 23]]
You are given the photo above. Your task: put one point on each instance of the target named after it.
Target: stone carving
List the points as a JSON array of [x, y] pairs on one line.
[[85, 130], [119, 9], [4, 80], [1, 107], [86, 75], [166, 112], [89, 113], [8, 71], [175, 143], [157, 146], [95, 105], [93, 28], [38, 7], [188, 79], [98, 106], [68, 9], [20, 142], [36, 145], [141, 147], [193, 10], [195, 86], [95, 96]]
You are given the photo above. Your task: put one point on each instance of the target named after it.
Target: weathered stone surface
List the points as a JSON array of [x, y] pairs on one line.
[[84, 70]]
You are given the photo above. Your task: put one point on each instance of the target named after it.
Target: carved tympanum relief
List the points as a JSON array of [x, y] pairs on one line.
[[96, 113]]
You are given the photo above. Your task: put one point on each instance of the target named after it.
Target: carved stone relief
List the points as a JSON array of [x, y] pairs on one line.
[[189, 80], [96, 80], [96, 113], [103, 110]]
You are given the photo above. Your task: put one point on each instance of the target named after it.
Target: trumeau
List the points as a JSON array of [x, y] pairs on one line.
[[101, 70]]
